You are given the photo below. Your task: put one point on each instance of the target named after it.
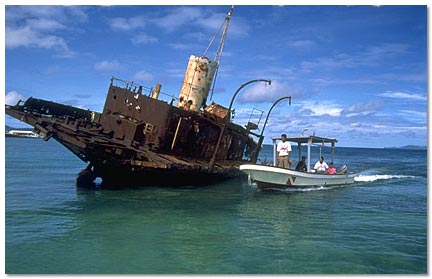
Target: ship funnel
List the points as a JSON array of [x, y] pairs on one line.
[[197, 82]]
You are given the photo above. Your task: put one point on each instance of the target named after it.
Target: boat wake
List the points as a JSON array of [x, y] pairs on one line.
[[308, 189], [375, 177], [359, 178]]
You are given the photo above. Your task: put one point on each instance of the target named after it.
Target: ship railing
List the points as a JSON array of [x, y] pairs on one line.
[[138, 88]]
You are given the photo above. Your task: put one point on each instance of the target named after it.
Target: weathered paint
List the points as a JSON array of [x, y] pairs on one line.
[[139, 136], [197, 82]]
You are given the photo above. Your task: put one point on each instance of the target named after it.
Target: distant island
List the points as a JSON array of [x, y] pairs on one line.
[[408, 147]]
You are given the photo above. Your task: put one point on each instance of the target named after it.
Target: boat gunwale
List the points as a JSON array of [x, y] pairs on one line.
[[279, 170]]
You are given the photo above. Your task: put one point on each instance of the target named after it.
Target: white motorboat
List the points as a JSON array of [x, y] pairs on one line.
[[270, 177], [21, 134]]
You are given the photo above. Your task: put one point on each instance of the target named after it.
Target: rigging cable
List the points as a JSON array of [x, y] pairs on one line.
[[220, 48]]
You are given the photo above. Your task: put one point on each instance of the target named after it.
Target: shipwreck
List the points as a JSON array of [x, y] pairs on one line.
[[139, 139]]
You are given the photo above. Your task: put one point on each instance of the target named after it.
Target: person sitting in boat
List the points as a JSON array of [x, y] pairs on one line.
[[301, 166], [283, 150], [331, 169], [321, 166]]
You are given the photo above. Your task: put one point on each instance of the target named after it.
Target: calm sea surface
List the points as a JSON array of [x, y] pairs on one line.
[[378, 225]]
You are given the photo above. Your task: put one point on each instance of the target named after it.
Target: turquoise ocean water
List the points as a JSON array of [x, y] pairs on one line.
[[376, 226]]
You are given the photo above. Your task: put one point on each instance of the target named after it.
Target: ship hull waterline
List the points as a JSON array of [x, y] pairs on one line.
[[120, 178]]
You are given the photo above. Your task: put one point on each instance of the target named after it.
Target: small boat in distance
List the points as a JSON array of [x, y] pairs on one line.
[[273, 177], [22, 134]]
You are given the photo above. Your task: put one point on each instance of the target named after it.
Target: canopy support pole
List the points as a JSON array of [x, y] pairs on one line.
[[274, 152], [309, 153]]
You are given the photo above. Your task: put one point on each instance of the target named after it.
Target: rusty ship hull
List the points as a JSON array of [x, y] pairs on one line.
[[139, 140]]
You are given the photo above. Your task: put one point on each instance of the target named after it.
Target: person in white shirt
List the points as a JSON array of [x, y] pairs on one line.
[[283, 150], [321, 166]]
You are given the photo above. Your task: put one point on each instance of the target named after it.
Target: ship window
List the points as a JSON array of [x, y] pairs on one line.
[[126, 101], [148, 128]]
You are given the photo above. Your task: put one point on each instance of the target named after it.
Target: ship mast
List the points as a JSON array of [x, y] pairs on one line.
[[218, 55], [225, 25]]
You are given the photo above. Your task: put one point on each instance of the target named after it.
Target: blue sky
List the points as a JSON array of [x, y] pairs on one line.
[[357, 73]]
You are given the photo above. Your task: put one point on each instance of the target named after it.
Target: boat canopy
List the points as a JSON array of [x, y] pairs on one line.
[[309, 140]]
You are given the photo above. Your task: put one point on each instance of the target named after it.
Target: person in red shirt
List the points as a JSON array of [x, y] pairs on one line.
[[331, 169]]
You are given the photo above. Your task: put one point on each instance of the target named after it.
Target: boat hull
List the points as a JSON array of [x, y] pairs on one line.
[[267, 177]]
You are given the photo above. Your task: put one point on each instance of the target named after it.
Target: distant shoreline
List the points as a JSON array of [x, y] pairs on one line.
[[405, 147], [410, 147], [415, 147]]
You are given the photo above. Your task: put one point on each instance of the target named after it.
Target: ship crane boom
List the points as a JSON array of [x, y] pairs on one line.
[[225, 25], [219, 51]]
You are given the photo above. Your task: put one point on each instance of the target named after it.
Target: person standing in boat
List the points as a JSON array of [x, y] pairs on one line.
[[283, 150], [321, 166]]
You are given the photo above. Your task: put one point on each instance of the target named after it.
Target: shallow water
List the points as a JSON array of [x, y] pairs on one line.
[[377, 225]]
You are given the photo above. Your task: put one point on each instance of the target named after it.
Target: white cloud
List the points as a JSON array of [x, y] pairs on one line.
[[56, 12], [361, 109], [385, 50], [403, 95], [371, 56], [127, 24], [143, 39], [419, 114], [108, 65], [416, 116], [26, 37], [16, 13], [212, 21], [45, 24], [196, 36], [178, 17], [322, 108], [13, 97], [143, 76], [180, 46], [262, 92], [301, 44], [174, 19], [40, 27]]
